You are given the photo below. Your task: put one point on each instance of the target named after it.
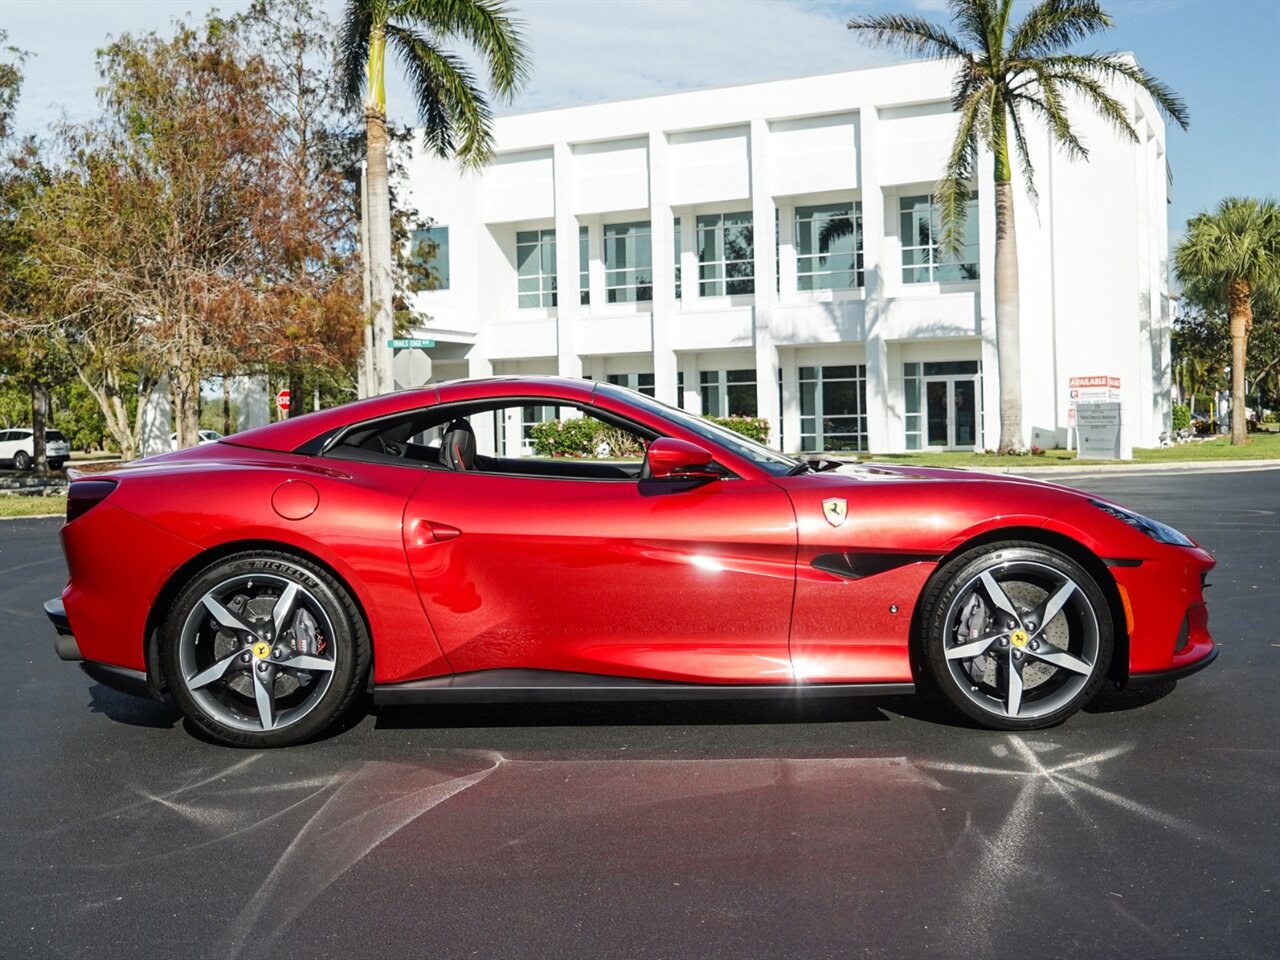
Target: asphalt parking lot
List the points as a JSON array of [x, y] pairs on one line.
[[1147, 826]]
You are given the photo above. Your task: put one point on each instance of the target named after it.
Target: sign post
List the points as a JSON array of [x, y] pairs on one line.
[[410, 362], [1086, 393]]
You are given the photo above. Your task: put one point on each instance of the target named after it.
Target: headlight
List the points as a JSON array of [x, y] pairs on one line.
[[1152, 528]]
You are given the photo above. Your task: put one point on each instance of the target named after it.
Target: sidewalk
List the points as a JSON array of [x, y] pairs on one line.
[[1127, 467]]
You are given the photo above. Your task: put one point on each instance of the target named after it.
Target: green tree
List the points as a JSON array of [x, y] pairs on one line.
[[452, 107], [1231, 259], [1008, 74], [27, 357]]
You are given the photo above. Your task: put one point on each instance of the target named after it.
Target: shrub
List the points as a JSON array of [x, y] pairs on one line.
[[1181, 417], [753, 428], [582, 437]]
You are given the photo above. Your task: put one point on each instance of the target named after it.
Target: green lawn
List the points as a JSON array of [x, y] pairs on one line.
[[1261, 446], [32, 506]]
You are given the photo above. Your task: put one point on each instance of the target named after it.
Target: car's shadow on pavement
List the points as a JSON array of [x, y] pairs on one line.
[[134, 711], [1112, 700]]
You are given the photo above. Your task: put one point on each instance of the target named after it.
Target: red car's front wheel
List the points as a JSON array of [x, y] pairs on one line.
[[1017, 635], [264, 649]]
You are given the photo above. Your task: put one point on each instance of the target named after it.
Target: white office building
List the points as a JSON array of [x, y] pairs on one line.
[[770, 250]]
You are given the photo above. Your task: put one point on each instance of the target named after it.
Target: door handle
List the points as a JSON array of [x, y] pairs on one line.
[[424, 532]]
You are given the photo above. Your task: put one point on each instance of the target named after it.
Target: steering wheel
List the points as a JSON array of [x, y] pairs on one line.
[[391, 448]]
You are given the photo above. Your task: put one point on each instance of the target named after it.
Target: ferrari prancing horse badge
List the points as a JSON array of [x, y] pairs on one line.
[[835, 510]]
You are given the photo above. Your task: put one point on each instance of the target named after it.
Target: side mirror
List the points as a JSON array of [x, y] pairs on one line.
[[671, 459]]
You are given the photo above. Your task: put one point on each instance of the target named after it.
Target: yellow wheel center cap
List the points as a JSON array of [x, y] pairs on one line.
[[262, 650], [1019, 638]]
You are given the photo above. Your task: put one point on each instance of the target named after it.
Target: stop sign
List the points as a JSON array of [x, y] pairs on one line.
[[282, 400]]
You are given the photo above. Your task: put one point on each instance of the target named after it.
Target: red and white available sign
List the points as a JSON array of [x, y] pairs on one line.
[[282, 400], [1091, 390]]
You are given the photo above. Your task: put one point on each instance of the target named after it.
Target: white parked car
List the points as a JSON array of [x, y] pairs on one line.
[[18, 447], [206, 436]]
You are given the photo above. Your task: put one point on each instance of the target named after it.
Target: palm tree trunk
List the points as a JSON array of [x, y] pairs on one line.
[[378, 250], [1008, 348], [1241, 315]]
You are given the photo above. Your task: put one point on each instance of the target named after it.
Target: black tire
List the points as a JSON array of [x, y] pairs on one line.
[[22, 460], [993, 665], [239, 631], [56, 464]]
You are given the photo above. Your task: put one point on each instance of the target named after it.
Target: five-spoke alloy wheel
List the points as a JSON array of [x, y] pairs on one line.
[[264, 649], [1016, 635]]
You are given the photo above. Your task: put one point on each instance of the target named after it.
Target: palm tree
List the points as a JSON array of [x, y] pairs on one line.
[[1231, 257], [1007, 74], [452, 108]]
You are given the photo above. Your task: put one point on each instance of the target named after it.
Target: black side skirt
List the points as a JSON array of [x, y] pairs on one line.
[[521, 686]]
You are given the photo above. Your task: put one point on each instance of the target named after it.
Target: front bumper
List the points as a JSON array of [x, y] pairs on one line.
[[132, 682]]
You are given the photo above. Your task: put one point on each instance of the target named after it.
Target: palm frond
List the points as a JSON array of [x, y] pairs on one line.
[[1111, 66], [1064, 136], [452, 106], [912, 35], [1095, 93], [353, 48], [1055, 25], [1024, 155], [973, 19], [487, 25], [1054, 112], [962, 164]]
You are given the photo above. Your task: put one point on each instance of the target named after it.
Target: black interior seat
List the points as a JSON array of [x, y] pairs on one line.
[[458, 447]]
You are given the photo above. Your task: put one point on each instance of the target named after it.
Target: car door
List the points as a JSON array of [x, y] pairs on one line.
[[624, 577]]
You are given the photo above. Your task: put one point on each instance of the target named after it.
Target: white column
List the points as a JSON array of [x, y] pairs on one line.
[[692, 398], [479, 365], [875, 269], [568, 308], [766, 297], [663, 240], [790, 399], [787, 250]]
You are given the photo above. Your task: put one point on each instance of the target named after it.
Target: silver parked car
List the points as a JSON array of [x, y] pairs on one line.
[[18, 447]]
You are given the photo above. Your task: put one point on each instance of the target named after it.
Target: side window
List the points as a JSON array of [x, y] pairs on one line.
[[517, 437]]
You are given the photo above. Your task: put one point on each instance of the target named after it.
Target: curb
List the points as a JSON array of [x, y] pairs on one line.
[[1176, 466]]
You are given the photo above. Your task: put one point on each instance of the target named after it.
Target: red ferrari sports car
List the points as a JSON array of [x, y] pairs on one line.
[[403, 544]]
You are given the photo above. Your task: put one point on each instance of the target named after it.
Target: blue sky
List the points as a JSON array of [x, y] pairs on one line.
[[1222, 56]]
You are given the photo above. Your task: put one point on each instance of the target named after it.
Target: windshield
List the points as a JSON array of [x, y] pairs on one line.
[[767, 459]]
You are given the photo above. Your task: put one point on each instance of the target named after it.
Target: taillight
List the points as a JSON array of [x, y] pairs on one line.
[[84, 495]]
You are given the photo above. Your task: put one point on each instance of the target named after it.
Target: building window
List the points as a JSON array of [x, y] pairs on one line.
[[833, 408], [431, 250], [923, 259], [640, 382], [676, 234], [726, 255], [728, 393], [584, 266], [536, 268], [628, 262], [829, 246]]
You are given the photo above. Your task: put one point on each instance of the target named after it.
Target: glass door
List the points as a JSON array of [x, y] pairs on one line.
[[951, 412]]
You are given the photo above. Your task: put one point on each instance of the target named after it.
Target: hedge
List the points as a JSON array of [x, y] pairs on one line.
[[586, 437]]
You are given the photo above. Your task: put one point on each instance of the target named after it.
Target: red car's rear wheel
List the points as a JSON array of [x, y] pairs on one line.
[[1017, 636], [264, 649]]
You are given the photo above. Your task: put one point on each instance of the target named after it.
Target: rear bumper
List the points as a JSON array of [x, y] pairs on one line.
[[132, 682]]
